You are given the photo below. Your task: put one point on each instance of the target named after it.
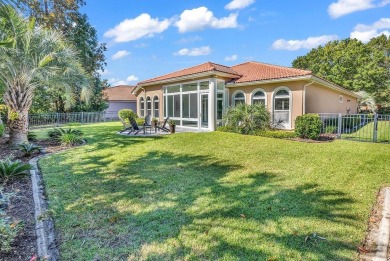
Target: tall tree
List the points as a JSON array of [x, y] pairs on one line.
[[65, 16], [349, 63], [32, 58]]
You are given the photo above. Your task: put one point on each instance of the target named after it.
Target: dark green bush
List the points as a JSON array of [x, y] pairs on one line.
[[66, 136], [28, 148], [308, 126], [247, 119], [12, 169], [278, 134]]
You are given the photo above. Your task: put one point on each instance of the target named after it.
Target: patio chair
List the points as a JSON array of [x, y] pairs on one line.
[[164, 126], [134, 126], [148, 123]]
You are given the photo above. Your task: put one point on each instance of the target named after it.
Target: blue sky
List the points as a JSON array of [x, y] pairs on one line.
[[148, 38]]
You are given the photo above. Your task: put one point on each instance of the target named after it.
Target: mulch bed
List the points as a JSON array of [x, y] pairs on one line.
[[323, 138], [21, 207]]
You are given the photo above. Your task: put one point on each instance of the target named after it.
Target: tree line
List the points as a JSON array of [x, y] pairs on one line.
[[356, 66], [65, 17]]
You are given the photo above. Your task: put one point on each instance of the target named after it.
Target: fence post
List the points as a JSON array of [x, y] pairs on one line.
[[375, 136], [82, 117], [57, 120], [339, 124]]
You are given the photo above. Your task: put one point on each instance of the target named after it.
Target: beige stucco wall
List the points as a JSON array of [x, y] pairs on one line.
[[296, 89], [318, 99], [321, 99], [151, 91]]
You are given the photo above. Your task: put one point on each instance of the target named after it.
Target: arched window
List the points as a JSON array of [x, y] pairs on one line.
[[156, 111], [282, 108], [142, 107], [238, 97], [258, 96], [149, 106]]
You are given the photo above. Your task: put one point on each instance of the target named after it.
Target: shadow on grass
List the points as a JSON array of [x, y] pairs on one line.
[[166, 206]]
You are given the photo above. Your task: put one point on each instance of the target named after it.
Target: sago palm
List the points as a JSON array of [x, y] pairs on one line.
[[32, 57]]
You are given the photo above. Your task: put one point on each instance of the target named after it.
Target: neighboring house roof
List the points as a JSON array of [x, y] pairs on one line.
[[205, 67], [255, 71], [120, 93]]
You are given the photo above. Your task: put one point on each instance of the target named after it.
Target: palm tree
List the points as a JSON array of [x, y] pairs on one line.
[[32, 58]]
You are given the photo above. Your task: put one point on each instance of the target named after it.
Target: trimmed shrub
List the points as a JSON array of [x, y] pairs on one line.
[[125, 114], [308, 126], [278, 134], [140, 121], [247, 119]]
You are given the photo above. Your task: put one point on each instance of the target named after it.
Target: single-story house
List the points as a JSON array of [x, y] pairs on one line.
[[119, 97], [197, 97]]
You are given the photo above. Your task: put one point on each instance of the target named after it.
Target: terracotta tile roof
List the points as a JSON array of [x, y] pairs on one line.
[[120, 93], [205, 67], [255, 71]]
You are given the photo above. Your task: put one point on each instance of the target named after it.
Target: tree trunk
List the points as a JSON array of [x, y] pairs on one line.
[[18, 128]]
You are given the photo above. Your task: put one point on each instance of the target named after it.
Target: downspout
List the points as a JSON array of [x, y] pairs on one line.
[[304, 96]]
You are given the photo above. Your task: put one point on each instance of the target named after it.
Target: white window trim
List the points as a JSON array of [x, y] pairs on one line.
[[286, 126], [234, 95], [259, 90], [142, 100], [159, 105]]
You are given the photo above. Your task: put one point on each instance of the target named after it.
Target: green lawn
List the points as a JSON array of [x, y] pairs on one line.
[[212, 196], [367, 132]]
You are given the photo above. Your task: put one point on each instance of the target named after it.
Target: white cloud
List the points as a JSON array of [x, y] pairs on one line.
[[132, 78], [231, 58], [344, 7], [239, 4], [115, 81], [201, 18], [365, 33], [309, 43], [204, 50], [120, 54], [133, 29], [190, 39]]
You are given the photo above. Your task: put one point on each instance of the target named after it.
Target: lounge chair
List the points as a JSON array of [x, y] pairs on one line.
[[126, 127], [134, 126], [164, 126]]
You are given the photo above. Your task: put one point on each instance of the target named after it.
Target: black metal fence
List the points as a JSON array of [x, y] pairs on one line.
[[359, 127], [58, 119]]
